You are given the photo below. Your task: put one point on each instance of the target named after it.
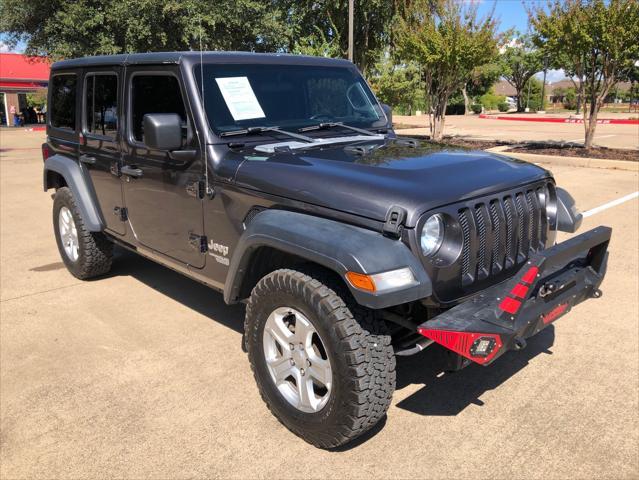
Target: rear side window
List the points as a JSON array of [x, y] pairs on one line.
[[101, 105], [154, 94], [63, 88]]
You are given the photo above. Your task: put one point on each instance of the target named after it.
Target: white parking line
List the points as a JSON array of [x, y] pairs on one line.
[[581, 139], [608, 205]]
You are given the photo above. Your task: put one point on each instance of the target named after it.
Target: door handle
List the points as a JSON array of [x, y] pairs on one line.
[[87, 159], [132, 171]]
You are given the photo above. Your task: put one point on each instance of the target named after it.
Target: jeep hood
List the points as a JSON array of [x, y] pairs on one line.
[[368, 177]]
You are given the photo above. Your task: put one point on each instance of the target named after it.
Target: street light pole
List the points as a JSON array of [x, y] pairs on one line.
[[351, 8]]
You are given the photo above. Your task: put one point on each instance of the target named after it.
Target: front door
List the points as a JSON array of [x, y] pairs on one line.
[[163, 210], [100, 151]]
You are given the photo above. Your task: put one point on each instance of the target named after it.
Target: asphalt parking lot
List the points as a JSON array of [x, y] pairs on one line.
[[141, 375]]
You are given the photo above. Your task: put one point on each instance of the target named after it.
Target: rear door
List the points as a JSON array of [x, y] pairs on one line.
[[100, 151], [164, 213]]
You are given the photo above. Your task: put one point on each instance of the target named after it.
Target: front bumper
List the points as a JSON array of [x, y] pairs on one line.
[[500, 318]]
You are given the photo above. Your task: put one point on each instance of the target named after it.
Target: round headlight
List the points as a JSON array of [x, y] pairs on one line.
[[432, 234]]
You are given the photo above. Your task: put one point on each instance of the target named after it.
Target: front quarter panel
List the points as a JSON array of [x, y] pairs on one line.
[[337, 246]]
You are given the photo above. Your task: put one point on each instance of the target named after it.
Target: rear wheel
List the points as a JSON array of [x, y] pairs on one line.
[[86, 254], [325, 374]]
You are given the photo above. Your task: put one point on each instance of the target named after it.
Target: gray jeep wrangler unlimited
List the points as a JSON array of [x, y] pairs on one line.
[[278, 181]]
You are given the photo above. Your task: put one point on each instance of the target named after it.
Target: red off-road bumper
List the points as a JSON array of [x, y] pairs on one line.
[[545, 288]]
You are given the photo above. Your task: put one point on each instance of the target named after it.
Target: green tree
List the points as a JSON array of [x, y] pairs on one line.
[[398, 85], [372, 25], [568, 96], [520, 61], [481, 81], [448, 40], [595, 40], [317, 44], [62, 29], [532, 95]]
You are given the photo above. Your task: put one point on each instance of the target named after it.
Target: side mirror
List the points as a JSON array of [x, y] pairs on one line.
[[162, 131], [568, 217], [388, 111]]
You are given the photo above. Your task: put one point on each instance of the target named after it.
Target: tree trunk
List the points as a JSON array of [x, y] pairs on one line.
[[520, 104], [439, 118], [466, 101], [590, 120], [578, 103]]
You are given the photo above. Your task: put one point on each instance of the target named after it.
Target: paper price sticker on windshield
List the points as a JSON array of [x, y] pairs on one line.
[[240, 98]]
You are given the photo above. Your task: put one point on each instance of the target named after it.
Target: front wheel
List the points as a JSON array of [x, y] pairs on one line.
[[325, 374]]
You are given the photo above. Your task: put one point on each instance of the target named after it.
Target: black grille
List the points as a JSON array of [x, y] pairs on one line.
[[500, 232]]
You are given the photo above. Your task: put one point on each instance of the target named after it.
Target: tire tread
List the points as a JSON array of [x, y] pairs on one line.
[[363, 343]]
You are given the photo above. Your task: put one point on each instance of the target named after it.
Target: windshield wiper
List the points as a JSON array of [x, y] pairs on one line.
[[327, 125], [258, 130]]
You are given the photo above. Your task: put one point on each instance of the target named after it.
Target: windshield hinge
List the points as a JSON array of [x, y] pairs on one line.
[[395, 218]]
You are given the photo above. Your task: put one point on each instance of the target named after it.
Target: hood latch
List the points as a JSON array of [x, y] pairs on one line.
[[395, 218]]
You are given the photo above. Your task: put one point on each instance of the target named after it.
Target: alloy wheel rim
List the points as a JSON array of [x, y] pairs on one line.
[[68, 234], [297, 360]]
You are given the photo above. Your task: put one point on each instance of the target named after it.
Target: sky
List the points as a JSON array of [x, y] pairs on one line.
[[510, 13]]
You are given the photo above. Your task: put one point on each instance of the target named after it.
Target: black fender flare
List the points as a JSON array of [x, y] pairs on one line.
[[337, 246], [78, 181]]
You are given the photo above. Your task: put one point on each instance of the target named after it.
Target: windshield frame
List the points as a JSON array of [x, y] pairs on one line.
[[381, 123]]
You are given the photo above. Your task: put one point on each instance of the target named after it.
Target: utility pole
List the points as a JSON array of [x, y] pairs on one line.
[[543, 85], [351, 8]]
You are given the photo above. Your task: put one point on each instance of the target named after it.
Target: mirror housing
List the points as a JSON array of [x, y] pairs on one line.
[[388, 111], [162, 131], [568, 217]]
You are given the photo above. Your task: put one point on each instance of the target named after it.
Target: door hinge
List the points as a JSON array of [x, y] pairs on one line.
[[115, 169], [395, 218], [122, 213], [199, 243], [198, 190]]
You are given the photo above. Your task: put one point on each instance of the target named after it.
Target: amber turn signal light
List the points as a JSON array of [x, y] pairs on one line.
[[361, 281]]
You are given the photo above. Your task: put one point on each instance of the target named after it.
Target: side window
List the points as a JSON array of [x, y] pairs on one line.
[[154, 94], [63, 88], [101, 104]]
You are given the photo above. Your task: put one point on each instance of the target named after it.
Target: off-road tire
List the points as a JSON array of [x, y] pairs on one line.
[[362, 360], [95, 249]]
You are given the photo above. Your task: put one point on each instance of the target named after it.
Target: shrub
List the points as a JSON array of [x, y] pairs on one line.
[[503, 107], [490, 100], [476, 108], [455, 109]]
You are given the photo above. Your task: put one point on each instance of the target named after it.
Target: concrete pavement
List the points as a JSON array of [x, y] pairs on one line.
[[141, 375], [612, 136]]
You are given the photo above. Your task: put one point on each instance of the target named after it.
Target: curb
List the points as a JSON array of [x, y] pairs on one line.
[[583, 162], [600, 121]]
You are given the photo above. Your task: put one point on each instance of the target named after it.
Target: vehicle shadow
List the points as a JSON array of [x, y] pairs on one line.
[[190, 293], [444, 393]]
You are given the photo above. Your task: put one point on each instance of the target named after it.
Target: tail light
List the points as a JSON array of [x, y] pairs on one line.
[[478, 347], [46, 153]]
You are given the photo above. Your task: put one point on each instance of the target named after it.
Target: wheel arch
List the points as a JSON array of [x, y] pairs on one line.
[[282, 239], [61, 171]]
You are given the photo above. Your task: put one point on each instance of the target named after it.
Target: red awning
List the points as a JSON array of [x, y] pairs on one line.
[[22, 85], [16, 68]]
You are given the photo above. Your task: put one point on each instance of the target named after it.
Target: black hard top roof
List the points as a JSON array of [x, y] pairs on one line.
[[159, 58]]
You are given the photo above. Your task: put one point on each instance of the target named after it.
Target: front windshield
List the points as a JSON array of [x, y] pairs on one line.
[[239, 96]]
